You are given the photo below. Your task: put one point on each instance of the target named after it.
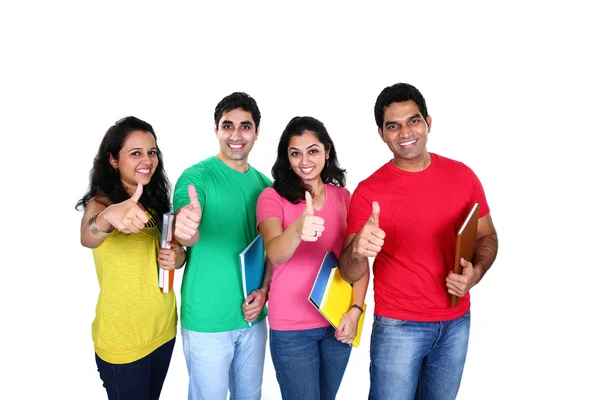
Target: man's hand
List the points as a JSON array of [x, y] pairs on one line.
[[369, 240], [460, 284], [254, 303], [188, 218]]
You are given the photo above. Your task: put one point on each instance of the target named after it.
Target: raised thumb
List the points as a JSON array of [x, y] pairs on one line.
[[193, 197], [375, 214], [138, 193], [309, 210]]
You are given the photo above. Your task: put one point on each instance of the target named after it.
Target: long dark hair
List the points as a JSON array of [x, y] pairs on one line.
[[106, 181], [286, 182]]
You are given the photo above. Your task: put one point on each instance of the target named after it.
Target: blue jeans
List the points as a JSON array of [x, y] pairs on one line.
[[220, 361], [140, 380], [418, 360], [309, 363]]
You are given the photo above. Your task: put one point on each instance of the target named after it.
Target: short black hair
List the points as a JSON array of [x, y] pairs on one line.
[[238, 100], [398, 93]]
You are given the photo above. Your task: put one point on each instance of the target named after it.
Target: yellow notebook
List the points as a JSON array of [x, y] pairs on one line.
[[337, 300]]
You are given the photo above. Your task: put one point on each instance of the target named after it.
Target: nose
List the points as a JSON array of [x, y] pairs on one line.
[[236, 134]]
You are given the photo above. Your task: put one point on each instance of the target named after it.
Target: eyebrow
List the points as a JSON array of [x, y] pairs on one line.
[[228, 122], [139, 148], [405, 119], [312, 145]]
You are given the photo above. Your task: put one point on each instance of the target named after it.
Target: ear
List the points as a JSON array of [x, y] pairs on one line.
[[428, 119], [216, 130], [257, 131], [380, 134], [113, 163]]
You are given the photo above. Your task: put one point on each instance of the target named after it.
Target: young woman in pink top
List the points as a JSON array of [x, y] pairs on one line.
[[302, 217]]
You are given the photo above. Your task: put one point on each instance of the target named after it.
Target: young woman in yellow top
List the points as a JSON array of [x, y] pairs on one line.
[[136, 324]]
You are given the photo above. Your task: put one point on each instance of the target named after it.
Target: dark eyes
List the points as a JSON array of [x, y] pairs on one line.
[[297, 153]]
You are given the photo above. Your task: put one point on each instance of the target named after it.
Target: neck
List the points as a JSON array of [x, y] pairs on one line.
[[317, 185], [417, 164], [236, 165]]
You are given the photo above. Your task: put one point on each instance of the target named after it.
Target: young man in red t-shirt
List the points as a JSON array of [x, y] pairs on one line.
[[406, 215]]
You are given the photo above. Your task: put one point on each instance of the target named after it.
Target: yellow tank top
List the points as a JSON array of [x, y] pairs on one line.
[[133, 316]]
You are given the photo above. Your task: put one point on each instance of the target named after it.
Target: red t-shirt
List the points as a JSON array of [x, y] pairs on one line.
[[421, 212]]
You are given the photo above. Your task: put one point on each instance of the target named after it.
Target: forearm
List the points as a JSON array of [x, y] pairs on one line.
[[189, 242], [485, 254], [281, 248], [88, 239], [353, 266], [268, 274], [359, 289], [180, 257]]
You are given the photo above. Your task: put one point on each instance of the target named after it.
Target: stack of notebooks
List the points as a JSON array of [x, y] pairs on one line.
[[332, 295], [166, 277]]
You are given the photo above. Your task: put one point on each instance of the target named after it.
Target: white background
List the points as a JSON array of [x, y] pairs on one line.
[[512, 90]]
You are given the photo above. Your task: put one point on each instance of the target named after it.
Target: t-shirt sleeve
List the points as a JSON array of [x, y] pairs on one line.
[[360, 210], [479, 197], [270, 204], [190, 176]]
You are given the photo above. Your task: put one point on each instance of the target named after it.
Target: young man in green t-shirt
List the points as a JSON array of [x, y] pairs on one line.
[[216, 219]]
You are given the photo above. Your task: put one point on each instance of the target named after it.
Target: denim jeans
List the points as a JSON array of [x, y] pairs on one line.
[[220, 361], [418, 360], [309, 363], [140, 380]]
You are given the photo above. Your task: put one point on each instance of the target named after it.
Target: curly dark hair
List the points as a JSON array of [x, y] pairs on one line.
[[286, 182], [106, 181], [398, 93], [237, 100]]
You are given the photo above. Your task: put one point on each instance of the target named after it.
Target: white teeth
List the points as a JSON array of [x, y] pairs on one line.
[[307, 170], [143, 171], [235, 146], [408, 143]]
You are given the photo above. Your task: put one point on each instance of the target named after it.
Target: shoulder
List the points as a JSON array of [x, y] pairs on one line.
[[451, 165], [270, 196], [338, 191], [265, 181]]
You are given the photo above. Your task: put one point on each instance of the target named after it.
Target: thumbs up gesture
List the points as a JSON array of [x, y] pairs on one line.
[[369, 241], [310, 227], [127, 216], [188, 217]]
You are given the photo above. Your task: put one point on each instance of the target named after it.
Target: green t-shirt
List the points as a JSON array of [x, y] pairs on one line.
[[211, 290]]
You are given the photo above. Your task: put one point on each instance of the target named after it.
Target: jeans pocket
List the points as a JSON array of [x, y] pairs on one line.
[[379, 320], [467, 314]]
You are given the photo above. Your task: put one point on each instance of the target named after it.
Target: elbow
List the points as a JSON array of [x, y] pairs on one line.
[[352, 275]]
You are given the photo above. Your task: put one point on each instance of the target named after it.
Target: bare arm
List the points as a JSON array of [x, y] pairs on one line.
[[280, 245], [485, 254], [353, 266], [88, 239], [487, 246]]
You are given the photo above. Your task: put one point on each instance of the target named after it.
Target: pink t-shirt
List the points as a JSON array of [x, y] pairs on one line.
[[289, 308]]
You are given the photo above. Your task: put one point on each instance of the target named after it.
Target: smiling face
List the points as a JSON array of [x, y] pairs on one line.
[[307, 157], [236, 132], [405, 132], [138, 159]]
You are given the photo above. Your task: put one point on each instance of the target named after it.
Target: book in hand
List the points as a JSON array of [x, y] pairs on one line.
[[166, 277], [252, 265], [465, 243], [331, 295]]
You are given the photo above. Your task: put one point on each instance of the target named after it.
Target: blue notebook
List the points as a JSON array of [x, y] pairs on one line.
[[318, 289], [252, 265]]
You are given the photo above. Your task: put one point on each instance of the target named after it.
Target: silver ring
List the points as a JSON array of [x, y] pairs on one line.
[[315, 233]]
